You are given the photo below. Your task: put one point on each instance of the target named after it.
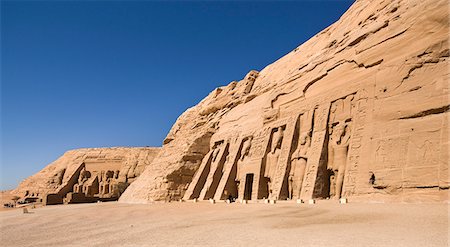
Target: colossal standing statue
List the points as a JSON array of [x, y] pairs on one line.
[[273, 156], [298, 165], [215, 160], [339, 141]]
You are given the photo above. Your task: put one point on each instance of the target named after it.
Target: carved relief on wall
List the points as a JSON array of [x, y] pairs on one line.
[[390, 153], [422, 149], [406, 161], [423, 165]]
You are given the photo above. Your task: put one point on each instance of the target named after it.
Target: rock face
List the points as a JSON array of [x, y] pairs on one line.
[[359, 111], [88, 174]]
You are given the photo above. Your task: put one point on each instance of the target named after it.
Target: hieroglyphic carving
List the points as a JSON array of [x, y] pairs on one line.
[[390, 153], [359, 121], [421, 150], [260, 144]]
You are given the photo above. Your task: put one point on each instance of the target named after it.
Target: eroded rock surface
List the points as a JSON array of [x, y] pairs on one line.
[[361, 109]]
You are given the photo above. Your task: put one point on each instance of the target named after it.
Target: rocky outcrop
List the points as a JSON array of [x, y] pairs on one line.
[[360, 109], [94, 170]]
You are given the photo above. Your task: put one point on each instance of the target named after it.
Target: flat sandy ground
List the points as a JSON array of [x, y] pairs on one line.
[[203, 224]]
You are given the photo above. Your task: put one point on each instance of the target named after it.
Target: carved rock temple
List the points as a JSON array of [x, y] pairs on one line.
[[359, 112], [87, 175]]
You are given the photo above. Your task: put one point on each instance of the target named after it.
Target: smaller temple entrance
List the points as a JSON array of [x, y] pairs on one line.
[[248, 186]]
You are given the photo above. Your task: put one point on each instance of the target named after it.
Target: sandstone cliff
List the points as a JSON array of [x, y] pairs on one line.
[[360, 109]]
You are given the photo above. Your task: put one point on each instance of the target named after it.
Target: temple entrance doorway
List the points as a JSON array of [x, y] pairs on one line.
[[248, 186]]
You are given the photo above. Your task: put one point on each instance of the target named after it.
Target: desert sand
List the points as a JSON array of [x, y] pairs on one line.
[[326, 223]]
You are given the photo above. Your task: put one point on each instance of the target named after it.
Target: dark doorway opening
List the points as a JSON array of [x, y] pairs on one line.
[[248, 187]]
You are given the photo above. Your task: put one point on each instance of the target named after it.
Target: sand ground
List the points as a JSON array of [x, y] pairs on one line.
[[203, 224]]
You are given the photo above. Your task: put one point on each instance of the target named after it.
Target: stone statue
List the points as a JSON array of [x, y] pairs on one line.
[[101, 177], [298, 165], [241, 164], [246, 147], [82, 178], [106, 181], [131, 172], [245, 151], [113, 182], [127, 170], [108, 184], [250, 80], [60, 176], [273, 156], [338, 150], [216, 152], [214, 163], [102, 182], [57, 178]]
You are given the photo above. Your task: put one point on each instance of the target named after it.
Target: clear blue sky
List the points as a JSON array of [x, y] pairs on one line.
[[117, 73]]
